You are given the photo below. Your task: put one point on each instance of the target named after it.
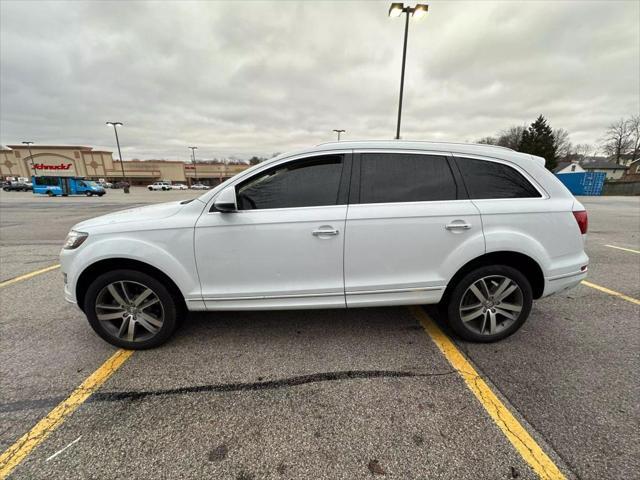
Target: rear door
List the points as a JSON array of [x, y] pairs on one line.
[[410, 226]]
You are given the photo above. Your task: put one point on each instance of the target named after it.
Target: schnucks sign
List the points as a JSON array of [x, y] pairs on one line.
[[60, 166]]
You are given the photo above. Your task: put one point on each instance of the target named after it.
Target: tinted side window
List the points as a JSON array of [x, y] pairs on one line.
[[403, 177], [494, 180], [47, 181], [302, 183]]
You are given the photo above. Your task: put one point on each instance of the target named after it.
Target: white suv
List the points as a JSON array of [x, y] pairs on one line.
[[482, 230], [159, 186]]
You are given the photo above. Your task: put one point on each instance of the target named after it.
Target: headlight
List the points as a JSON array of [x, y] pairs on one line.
[[74, 239]]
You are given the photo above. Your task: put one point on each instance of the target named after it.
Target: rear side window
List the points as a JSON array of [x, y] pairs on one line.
[[494, 180], [47, 181], [310, 182], [404, 177]]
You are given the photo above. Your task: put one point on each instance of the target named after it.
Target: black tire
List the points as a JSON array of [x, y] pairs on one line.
[[465, 330], [150, 189], [100, 194], [6, 189], [167, 302], [89, 194], [49, 193]]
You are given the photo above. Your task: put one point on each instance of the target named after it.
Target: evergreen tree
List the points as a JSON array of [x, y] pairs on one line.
[[538, 140]]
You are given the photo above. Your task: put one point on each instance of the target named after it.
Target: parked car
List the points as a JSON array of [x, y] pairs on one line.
[[120, 184], [178, 186], [482, 230], [106, 184], [16, 187], [159, 186], [199, 186]]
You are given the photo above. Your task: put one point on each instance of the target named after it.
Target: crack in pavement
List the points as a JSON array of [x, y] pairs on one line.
[[228, 387]]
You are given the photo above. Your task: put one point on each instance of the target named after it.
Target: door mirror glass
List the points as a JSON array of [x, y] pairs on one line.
[[226, 200]]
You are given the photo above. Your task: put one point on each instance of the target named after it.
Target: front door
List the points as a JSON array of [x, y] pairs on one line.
[[283, 248], [410, 226]]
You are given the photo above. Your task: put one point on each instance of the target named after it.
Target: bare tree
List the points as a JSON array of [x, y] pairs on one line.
[[634, 128], [562, 143], [583, 150], [488, 141], [511, 137], [617, 139]]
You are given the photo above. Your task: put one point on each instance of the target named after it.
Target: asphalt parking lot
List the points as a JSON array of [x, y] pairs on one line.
[[363, 393]]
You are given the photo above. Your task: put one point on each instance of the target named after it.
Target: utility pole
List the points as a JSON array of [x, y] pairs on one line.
[[396, 10], [33, 167], [115, 125], [195, 168]]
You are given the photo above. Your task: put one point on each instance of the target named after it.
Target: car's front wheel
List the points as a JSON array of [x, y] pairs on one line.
[[130, 309], [489, 303]]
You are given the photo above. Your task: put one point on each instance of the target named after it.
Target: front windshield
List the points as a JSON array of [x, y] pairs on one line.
[[90, 183]]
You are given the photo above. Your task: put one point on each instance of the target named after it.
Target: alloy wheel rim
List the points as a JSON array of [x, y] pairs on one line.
[[491, 305], [129, 311]]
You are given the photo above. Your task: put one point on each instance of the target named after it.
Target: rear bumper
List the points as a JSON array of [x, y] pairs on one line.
[[563, 282]]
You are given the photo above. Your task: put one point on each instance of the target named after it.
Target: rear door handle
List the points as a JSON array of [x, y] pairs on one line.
[[458, 226], [325, 231]]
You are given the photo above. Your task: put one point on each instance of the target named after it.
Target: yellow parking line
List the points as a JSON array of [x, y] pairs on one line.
[[17, 452], [625, 249], [27, 276], [526, 446], [612, 292]]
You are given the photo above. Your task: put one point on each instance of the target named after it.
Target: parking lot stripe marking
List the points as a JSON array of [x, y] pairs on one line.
[[623, 248], [17, 452], [523, 442], [612, 292], [27, 276]]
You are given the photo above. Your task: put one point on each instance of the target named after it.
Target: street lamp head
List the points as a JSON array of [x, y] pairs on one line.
[[27, 143], [114, 123], [396, 9], [420, 10]]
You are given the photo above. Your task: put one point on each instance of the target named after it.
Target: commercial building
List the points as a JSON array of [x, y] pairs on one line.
[[81, 161]]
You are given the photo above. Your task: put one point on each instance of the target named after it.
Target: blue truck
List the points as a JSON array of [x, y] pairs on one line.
[[63, 186]]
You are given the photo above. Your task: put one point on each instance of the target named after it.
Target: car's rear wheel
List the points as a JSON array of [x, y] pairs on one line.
[[130, 309], [490, 303], [49, 193], [89, 194]]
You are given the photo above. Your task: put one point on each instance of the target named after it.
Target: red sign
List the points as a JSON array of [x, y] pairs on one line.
[[42, 166]]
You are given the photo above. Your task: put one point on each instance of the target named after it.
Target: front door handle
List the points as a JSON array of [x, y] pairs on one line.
[[322, 231], [458, 226]]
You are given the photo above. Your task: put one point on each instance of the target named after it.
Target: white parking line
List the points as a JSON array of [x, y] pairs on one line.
[[63, 449]]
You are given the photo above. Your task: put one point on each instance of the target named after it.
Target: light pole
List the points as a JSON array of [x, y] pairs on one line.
[[395, 10], [115, 129], [33, 167], [195, 168], [338, 132]]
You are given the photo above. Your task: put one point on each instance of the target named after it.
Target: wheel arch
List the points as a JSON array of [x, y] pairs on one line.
[[94, 270], [521, 262]]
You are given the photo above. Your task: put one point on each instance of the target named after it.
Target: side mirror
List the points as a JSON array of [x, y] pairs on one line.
[[226, 200]]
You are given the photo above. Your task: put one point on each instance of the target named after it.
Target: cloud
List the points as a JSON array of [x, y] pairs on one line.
[[245, 78]]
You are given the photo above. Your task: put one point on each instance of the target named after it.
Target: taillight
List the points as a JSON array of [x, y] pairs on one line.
[[583, 220]]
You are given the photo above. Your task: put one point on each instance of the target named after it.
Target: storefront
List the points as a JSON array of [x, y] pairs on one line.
[[82, 161]]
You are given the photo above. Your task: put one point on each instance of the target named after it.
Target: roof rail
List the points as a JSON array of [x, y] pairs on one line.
[[416, 141]]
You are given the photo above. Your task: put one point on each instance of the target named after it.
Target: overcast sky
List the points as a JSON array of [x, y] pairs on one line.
[[245, 78]]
